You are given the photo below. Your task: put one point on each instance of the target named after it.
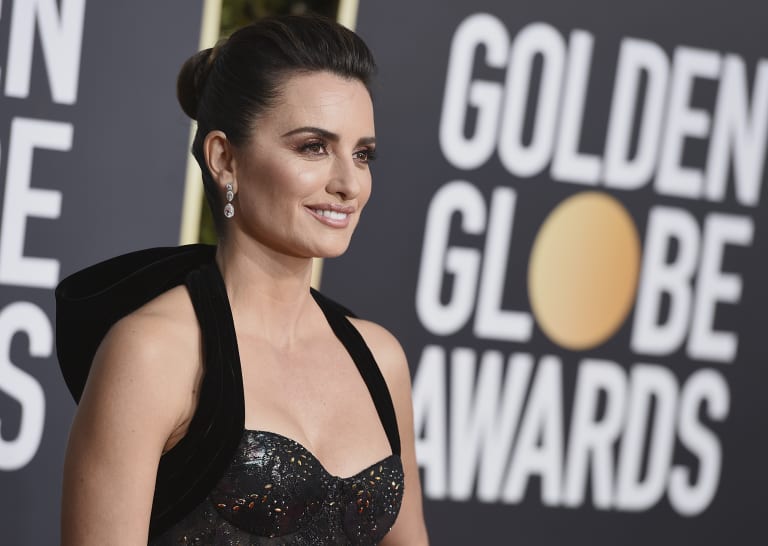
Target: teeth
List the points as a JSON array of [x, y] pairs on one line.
[[334, 215]]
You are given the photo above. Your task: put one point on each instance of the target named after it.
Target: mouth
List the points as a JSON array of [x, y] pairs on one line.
[[332, 214]]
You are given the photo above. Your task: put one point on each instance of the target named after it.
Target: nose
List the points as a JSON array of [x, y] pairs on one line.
[[344, 178]]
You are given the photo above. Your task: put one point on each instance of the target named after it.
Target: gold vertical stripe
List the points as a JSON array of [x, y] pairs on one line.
[[193, 187], [317, 272], [347, 16]]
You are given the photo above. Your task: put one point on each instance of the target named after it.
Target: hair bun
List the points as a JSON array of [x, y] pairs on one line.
[[191, 80]]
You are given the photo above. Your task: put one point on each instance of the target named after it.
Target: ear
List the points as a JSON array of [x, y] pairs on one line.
[[220, 157]]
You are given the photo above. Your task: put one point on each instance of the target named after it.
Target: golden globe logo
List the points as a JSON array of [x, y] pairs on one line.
[[488, 422], [583, 270]]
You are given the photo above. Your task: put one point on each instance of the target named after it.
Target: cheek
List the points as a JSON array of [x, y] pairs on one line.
[[304, 180], [365, 191], [286, 183]]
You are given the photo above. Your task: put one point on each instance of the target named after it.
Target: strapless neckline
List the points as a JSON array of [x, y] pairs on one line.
[[315, 460]]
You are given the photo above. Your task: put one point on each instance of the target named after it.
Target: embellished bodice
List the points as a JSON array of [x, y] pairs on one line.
[[277, 492]]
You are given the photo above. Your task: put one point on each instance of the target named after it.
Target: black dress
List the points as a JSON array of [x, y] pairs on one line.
[[223, 484]]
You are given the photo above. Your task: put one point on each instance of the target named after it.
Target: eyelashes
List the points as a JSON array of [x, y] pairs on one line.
[[366, 155], [319, 148]]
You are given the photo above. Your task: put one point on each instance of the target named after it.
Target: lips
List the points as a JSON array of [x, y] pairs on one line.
[[332, 214]]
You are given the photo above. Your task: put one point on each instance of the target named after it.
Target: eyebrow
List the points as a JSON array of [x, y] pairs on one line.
[[327, 135]]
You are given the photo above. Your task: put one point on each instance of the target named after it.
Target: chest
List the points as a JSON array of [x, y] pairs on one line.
[[316, 396]]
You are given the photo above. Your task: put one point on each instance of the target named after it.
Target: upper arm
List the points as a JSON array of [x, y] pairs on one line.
[[409, 529], [131, 404]]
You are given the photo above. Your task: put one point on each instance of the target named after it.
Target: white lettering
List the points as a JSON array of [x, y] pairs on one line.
[[734, 135], [714, 286], [61, 35], [686, 496], [683, 122], [430, 420], [464, 152], [482, 432], [491, 322], [519, 158], [22, 201], [19, 385], [569, 165], [437, 258], [539, 447], [592, 438], [635, 491], [635, 57], [649, 336]]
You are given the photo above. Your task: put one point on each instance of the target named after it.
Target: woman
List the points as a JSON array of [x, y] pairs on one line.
[[226, 402]]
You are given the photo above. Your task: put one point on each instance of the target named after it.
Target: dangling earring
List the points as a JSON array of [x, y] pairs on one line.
[[229, 210]]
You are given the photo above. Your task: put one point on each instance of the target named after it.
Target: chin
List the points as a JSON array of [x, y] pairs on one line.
[[332, 251]]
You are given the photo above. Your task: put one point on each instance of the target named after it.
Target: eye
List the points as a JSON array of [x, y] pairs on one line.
[[315, 147], [365, 155]]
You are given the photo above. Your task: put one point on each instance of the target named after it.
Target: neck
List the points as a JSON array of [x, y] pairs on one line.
[[268, 291]]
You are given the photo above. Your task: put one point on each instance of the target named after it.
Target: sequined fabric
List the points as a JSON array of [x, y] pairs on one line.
[[276, 492]]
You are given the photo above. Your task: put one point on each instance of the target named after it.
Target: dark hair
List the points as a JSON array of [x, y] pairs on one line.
[[226, 87]]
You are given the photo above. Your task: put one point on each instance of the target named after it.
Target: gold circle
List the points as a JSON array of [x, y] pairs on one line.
[[583, 270]]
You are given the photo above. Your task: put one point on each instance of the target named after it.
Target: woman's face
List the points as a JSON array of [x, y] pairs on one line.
[[304, 177]]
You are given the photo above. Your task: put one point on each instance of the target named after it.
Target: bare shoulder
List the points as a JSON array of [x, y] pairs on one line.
[[150, 357], [165, 328], [172, 310], [386, 350], [139, 392]]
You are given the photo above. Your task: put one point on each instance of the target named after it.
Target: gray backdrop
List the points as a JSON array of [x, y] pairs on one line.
[[109, 154], [110, 142], [669, 445]]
